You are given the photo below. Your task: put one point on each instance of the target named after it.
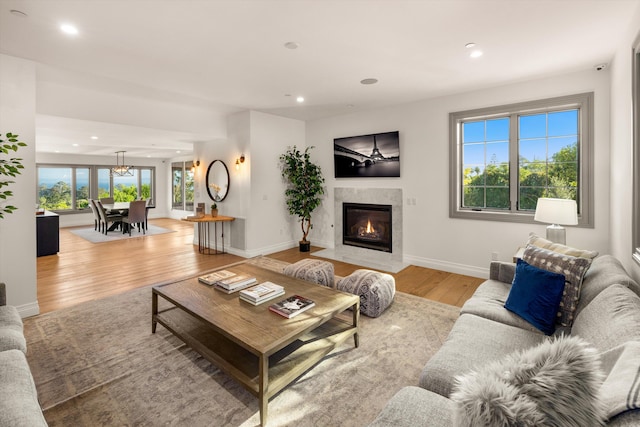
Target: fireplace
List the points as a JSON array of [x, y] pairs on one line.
[[367, 226]]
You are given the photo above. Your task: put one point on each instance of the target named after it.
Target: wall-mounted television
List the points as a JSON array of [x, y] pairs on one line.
[[375, 155]]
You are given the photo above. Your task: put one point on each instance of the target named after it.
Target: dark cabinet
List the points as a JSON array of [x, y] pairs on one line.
[[47, 233]]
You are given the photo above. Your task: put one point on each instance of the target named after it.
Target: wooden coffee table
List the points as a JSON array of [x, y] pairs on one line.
[[262, 350]]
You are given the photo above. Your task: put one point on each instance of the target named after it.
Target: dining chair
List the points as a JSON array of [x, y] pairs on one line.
[[137, 215], [107, 218], [96, 216], [106, 200]]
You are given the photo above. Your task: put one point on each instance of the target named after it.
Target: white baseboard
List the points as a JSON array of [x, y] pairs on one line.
[[451, 267], [28, 310]]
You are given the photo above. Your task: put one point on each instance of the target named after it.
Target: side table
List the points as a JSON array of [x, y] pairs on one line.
[[204, 232]]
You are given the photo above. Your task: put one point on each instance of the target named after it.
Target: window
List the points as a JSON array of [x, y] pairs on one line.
[[68, 188], [504, 158], [182, 185], [636, 151]]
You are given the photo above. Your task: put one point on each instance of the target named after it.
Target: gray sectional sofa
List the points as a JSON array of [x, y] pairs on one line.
[[607, 315], [19, 405]]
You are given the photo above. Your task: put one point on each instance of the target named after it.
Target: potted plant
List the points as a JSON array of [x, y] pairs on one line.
[[214, 209], [9, 167], [304, 189]]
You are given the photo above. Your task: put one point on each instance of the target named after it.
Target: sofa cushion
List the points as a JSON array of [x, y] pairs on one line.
[[573, 268], [19, 405], [604, 271], [472, 342], [553, 384], [488, 301], [415, 406], [611, 319], [540, 242], [11, 331], [621, 390], [535, 296]]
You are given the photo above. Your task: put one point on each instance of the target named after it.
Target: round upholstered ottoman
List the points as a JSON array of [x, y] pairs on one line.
[[376, 290], [312, 270]]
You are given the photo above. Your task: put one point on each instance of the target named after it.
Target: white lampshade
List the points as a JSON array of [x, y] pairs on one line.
[[556, 211]]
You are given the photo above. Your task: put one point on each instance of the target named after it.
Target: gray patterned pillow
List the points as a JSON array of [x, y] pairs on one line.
[[573, 268], [540, 242]]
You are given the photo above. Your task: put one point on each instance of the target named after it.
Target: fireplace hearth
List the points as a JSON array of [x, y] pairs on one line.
[[367, 226]]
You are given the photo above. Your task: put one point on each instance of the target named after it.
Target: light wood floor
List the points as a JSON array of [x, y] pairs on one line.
[[84, 271]]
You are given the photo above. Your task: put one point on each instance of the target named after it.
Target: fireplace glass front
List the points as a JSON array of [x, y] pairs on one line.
[[367, 226]]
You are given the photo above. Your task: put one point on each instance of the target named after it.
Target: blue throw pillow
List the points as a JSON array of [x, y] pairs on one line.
[[535, 296]]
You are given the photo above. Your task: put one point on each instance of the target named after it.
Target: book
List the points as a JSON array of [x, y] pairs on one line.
[[236, 282], [260, 293], [266, 298], [292, 306], [235, 289], [211, 278]]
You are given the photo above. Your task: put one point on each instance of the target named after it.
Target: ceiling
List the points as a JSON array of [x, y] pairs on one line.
[[223, 56]]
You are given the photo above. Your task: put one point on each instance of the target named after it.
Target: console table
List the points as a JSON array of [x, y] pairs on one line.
[[47, 233], [204, 232]]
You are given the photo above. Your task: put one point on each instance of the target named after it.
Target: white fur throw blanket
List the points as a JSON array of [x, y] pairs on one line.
[[553, 384]]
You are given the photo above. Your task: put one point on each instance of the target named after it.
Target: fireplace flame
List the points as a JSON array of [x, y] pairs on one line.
[[370, 229]]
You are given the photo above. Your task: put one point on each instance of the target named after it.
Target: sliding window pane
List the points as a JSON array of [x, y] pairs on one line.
[[82, 188], [176, 186], [54, 188], [125, 188], [104, 183], [188, 186]]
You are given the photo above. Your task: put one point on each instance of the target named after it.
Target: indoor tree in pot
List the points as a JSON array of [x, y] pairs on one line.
[[9, 167], [304, 189]]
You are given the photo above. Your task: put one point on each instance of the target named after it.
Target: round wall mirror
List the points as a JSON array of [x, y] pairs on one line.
[[217, 180]]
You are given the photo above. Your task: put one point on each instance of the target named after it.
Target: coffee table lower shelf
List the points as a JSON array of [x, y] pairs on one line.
[[284, 366]]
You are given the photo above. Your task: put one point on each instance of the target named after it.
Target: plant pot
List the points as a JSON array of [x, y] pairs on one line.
[[214, 212], [305, 246]]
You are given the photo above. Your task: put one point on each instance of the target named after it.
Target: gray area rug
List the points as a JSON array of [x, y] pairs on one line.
[[95, 236], [97, 364]]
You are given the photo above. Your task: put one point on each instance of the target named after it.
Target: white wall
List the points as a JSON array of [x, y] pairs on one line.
[[18, 230], [622, 151], [432, 239]]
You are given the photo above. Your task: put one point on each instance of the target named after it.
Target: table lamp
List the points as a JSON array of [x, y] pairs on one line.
[[557, 212]]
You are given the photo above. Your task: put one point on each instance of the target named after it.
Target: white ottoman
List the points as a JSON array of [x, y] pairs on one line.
[[312, 270], [376, 290]]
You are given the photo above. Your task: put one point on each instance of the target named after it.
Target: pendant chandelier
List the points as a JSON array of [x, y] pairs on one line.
[[120, 169]]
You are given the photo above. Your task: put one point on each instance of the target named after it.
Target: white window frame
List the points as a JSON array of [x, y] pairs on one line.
[[584, 102]]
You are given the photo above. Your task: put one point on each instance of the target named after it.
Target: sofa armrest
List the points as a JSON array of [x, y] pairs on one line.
[[502, 271], [3, 294], [415, 406]]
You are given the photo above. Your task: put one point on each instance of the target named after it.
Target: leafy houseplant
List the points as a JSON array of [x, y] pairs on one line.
[[9, 167], [304, 189], [214, 209]]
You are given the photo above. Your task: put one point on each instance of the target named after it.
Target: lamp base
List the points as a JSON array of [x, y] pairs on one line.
[[557, 234]]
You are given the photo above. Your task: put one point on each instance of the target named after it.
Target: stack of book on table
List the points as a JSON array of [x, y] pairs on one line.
[[260, 293], [292, 306], [227, 281]]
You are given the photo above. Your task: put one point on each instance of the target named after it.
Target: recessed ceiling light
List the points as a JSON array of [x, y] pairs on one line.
[[300, 99], [94, 137], [16, 12], [72, 30], [292, 45], [469, 45], [178, 151], [475, 54], [369, 81], [76, 145]]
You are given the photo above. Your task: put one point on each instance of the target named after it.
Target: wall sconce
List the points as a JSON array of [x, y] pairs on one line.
[[195, 164], [239, 160]]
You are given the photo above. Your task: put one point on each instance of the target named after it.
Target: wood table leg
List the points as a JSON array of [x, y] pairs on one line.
[[154, 311], [356, 320], [264, 386]]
